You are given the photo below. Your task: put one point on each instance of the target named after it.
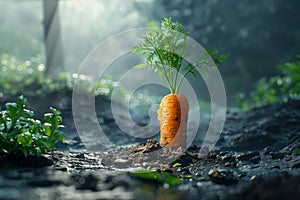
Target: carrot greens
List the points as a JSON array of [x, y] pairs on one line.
[[165, 48]]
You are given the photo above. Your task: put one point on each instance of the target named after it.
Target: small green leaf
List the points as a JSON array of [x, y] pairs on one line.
[[27, 113], [22, 102], [140, 66], [163, 177], [296, 151], [186, 176], [151, 24], [201, 178], [25, 138], [47, 129], [171, 180], [176, 165], [49, 118], [12, 109], [148, 175], [55, 111]]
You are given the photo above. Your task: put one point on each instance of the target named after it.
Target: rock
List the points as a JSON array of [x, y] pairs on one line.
[[230, 164], [223, 176], [288, 158], [276, 155], [210, 155], [228, 158], [247, 156], [223, 153]]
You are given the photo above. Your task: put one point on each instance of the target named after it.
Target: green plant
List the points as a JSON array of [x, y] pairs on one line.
[[21, 133], [159, 177], [275, 89], [165, 48], [27, 78], [16, 76]]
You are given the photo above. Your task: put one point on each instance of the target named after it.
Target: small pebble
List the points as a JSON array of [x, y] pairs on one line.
[[223, 176], [61, 169], [228, 158], [288, 158], [247, 156]]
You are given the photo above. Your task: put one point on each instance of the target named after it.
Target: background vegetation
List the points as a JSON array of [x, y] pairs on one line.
[[259, 35]]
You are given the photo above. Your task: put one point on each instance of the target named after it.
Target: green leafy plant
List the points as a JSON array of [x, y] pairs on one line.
[[21, 133], [165, 48], [275, 89], [163, 177]]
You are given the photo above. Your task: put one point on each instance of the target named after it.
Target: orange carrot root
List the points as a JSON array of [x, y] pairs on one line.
[[173, 115]]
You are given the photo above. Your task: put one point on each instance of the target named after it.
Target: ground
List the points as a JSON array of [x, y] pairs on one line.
[[255, 158]]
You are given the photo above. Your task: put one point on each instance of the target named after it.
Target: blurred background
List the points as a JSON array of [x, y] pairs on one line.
[[47, 37]]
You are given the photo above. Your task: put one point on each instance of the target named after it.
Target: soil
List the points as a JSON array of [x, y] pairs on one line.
[[255, 158]]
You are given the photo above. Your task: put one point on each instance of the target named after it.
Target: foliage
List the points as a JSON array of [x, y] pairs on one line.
[[20, 132], [276, 89], [19, 76], [165, 48], [160, 177], [27, 78]]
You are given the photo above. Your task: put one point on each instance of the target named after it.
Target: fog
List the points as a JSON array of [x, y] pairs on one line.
[[258, 35]]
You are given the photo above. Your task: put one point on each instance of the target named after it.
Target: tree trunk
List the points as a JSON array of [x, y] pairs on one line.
[[54, 54]]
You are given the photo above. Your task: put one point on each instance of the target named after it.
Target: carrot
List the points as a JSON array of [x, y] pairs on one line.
[[164, 48], [173, 115]]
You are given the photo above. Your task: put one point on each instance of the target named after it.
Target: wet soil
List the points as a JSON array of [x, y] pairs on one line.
[[255, 158]]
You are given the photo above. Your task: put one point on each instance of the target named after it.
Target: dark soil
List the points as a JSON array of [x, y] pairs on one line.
[[254, 159]]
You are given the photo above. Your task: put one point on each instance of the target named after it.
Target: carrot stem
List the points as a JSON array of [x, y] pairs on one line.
[[172, 89]]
